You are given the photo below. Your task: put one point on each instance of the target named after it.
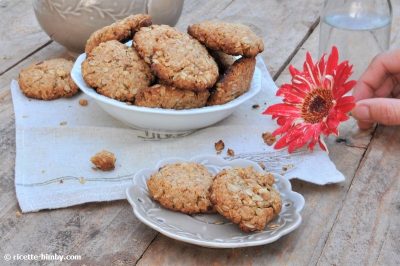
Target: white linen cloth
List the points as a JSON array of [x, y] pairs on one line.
[[56, 139]]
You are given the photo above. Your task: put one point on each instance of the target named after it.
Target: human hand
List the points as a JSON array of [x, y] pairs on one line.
[[377, 92]]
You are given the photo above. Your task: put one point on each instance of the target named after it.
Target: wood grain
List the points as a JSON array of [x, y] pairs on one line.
[[367, 231], [20, 33]]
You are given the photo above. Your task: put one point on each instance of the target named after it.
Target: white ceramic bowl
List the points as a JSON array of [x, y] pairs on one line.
[[164, 120]]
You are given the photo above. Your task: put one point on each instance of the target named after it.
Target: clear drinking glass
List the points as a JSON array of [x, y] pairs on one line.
[[360, 29]]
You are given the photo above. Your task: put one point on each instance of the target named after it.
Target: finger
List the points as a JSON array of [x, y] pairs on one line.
[[382, 66], [381, 110], [364, 125]]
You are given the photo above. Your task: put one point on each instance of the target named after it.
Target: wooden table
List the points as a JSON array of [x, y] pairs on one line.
[[353, 223]]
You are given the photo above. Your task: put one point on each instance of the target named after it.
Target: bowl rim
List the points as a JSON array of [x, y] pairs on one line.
[[77, 77]]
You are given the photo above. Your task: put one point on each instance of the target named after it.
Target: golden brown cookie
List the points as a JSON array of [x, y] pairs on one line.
[[182, 187], [224, 61], [48, 80], [167, 97], [246, 197], [176, 58], [120, 30], [147, 39], [116, 71], [230, 38], [235, 82]]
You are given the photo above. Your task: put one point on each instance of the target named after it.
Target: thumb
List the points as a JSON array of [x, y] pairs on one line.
[[385, 111]]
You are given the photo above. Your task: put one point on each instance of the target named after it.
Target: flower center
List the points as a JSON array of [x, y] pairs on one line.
[[316, 105]]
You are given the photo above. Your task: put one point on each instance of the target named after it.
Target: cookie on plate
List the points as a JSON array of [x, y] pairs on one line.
[[48, 80], [182, 187], [167, 97], [230, 38], [234, 82], [120, 30], [176, 58], [116, 71], [246, 197]]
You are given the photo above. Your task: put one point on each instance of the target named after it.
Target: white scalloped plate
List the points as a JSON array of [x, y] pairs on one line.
[[212, 230]]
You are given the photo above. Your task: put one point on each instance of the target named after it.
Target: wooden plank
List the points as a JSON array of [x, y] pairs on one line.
[[20, 33], [301, 247], [367, 231]]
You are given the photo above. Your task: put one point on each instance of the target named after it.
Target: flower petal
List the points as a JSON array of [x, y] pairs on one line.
[[282, 109]]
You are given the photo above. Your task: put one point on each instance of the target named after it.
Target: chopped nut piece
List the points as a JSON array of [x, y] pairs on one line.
[[104, 160], [261, 165], [83, 102], [256, 106], [268, 138], [18, 214], [230, 152], [219, 146]]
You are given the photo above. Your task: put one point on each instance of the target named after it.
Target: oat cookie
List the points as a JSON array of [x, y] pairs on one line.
[[104, 160], [48, 80], [167, 97], [120, 30], [176, 58], [147, 38], [182, 187], [116, 71], [230, 38], [224, 61], [234, 82], [246, 197]]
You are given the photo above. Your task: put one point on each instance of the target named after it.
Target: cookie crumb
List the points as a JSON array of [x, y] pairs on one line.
[[219, 146], [82, 180], [63, 123], [61, 181], [268, 138], [255, 106], [18, 214], [83, 102], [262, 165], [230, 152], [104, 160], [287, 167]]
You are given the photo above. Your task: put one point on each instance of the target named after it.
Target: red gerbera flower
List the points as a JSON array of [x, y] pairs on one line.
[[314, 103]]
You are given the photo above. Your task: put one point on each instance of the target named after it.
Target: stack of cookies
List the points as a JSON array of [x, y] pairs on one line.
[[242, 195], [166, 68]]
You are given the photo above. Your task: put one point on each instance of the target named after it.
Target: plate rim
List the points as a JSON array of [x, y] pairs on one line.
[[211, 244]]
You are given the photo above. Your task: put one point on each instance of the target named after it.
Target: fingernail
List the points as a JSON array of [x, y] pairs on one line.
[[361, 112]]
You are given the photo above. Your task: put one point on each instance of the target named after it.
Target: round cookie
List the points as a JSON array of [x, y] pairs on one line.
[[146, 39], [182, 187], [246, 197], [230, 38], [234, 82], [48, 80], [120, 30], [224, 61], [176, 58], [167, 97], [116, 71]]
